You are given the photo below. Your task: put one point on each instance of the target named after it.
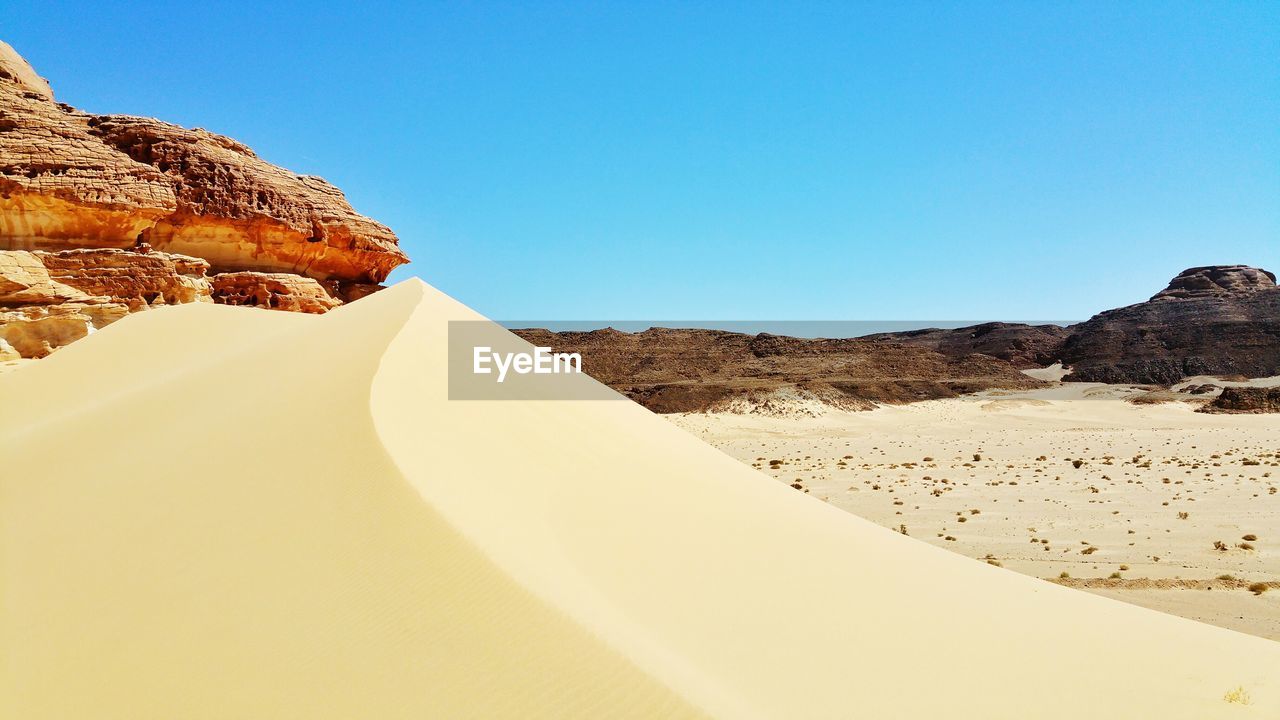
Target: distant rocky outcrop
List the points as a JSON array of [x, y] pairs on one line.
[[1026, 346], [670, 370], [1219, 320], [132, 212], [1245, 400], [1222, 321], [1218, 281]]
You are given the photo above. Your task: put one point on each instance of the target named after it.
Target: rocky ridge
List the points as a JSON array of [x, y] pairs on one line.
[[102, 215], [675, 370], [1219, 321], [1026, 346]]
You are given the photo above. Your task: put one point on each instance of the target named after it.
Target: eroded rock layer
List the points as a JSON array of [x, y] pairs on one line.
[[275, 291], [137, 279], [48, 299]]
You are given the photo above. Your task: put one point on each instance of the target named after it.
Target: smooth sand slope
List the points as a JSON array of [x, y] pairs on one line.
[[210, 512]]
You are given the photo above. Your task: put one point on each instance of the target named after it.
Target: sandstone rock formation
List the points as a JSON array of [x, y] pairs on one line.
[[69, 179], [49, 299], [102, 215], [1221, 320], [136, 279], [670, 370], [276, 291], [24, 280], [1245, 400], [37, 336]]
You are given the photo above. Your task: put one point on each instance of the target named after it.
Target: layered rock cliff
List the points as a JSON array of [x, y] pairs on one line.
[[131, 212]]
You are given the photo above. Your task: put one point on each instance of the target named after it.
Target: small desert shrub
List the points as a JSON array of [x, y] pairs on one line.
[[1258, 588], [1077, 463], [1064, 575], [1238, 696], [1115, 576], [1250, 537], [1182, 516], [1219, 545]]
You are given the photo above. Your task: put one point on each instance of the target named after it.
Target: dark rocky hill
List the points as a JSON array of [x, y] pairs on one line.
[[1218, 320]]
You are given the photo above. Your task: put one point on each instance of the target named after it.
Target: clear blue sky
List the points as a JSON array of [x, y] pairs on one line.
[[1017, 160]]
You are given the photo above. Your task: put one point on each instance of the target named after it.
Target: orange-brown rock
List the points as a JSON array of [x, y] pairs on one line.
[[49, 299], [69, 179], [137, 279], [351, 292], [275, 291], [24, 280], [40, 334]]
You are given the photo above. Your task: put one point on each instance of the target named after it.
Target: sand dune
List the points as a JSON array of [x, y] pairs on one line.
[[212, 512]]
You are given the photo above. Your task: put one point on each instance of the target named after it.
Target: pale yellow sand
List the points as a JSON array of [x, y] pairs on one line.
[[211, 512], [1200, 479]]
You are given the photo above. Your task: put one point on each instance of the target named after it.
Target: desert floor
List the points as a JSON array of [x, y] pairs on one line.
[[1170, 509]]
